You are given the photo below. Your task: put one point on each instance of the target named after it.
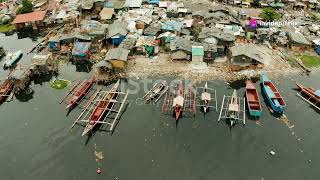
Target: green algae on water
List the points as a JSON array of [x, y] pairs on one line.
[[59, 84]]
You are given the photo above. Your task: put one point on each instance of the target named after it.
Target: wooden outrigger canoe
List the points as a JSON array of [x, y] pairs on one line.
[[157, 91], [80, 93], [178, 101], [272, 94], [205, 97], [310, 95], [5, 89], [233, 108], [101, 108], [253, 100]]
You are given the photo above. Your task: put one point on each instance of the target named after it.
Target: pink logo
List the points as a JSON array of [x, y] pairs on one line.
[[253, 23]]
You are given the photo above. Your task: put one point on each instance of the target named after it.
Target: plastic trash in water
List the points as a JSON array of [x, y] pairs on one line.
[[272, 153]]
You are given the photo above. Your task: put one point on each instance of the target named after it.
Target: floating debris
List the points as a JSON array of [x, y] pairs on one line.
[[60, 83], [272, 153], [98, 171], [98, 155], [286, 121]]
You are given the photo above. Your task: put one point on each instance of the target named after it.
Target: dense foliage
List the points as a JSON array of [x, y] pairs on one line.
[[27, 7], [269, 14]]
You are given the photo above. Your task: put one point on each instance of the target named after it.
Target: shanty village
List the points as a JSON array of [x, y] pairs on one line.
[[253, 63]]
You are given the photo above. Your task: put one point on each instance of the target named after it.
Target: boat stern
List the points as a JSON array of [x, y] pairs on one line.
[[255, 113]]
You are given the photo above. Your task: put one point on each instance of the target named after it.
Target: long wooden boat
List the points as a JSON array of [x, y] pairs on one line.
[[205, 97], [310, 95], [233, 108], [101, 108], [178, 101], [253, 100], [272, 94], [12, 58], [80, 93], [156, 92], [5, 89]]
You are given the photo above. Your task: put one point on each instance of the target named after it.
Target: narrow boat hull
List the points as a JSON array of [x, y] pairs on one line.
[[13, 59], [81, 93], [205, 109], [180, 101], [310, 95], [178, 113], [156, 92], [99, 112], [272, 95], [253, 100], [5, 89], [273, 103]]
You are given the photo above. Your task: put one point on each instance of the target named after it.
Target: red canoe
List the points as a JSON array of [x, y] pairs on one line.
[[101, 108], [5, 88], [179, 100], [80, 93], [310, 95], [253, 100]]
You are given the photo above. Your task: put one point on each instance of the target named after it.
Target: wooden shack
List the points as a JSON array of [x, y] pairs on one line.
[[39, 65], [117, 57], [298, 42], [105, 72], [33, 19], [247, 56], [21, 79]]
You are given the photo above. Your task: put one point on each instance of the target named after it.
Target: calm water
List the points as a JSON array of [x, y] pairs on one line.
[[35, 141]]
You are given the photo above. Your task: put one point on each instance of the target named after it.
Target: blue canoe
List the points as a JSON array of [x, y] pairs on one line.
[[272, 94], [12, 59]]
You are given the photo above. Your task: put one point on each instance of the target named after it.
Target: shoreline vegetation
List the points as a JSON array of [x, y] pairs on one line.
[[310, 61], [6, 28]]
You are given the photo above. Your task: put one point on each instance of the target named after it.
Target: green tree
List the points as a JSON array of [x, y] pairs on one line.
[[27, 7], [269, 14]]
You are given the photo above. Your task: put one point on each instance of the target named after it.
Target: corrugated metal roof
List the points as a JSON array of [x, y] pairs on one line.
[[172, 25], [29, 17], [104, 64], [117, 54], [128, 43], [153, 29], [133, 3], [106, 13], [217, 33], [298, 38], [250, 50], [118, 28], [181, 44]]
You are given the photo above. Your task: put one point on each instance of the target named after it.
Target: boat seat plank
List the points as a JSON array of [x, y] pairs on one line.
[[276, 102], [255, 105], [233, 107], [270, 92]]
